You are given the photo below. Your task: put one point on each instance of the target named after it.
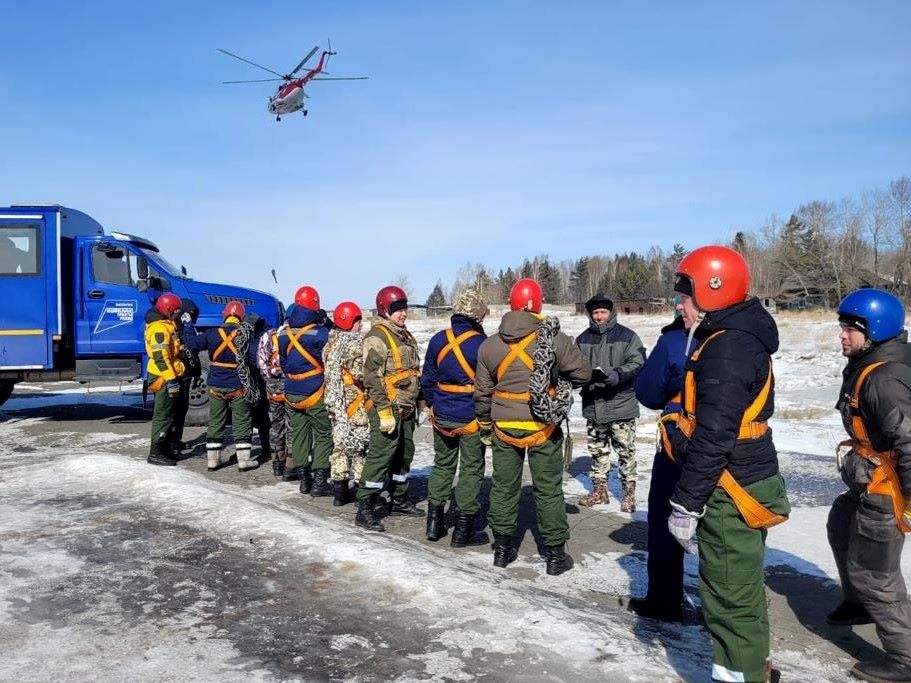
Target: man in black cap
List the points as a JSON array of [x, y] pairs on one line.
[[609, 403]]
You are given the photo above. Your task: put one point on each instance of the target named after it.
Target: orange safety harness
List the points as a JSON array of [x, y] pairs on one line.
[[755, 514], [454, 346], [225, 394], [885, 480], [317, 369], [400, 373], [360, 399], [227, 344], [517, 352]]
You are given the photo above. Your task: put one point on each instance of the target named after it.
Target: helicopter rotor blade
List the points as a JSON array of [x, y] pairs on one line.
[[257, 80], [305, 60], [258, 66], [342, 78]]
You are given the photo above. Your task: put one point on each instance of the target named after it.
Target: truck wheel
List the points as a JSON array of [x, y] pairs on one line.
[[6, 390], [198, 413]]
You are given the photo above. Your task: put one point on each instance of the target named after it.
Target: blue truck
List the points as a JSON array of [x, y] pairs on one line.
[[75, 297]]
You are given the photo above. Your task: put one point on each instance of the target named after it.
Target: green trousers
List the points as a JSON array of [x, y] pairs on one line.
[[162, 416], [731, 582], [310, 428], [546, 465], [387, 454], [218, 418], [468, 453]]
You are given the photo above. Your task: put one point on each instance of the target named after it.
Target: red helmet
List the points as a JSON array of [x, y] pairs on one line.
[[388, 296], [167, 304], [346, 314], [718, 277], [307, 297], [526, 295], [234, 308]]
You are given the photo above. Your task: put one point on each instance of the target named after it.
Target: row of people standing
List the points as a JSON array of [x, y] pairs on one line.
[[716, 472]]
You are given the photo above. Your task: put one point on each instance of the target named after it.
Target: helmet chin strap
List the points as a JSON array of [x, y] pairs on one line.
[[689, 338]]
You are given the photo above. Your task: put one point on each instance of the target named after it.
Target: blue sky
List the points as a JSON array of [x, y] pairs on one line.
[[488, 131]]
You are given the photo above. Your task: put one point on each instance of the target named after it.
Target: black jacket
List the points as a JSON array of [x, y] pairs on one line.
[[885, 406], [730, 373], [187, 334]]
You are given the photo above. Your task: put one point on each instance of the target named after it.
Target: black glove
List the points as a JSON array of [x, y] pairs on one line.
[[598, 376], [612, 379]]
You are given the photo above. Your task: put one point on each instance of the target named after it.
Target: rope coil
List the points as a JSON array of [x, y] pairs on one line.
[[547, 408], [245, 370]]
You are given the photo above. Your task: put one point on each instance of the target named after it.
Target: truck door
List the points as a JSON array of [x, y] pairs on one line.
[[27, 283], [113, 309]]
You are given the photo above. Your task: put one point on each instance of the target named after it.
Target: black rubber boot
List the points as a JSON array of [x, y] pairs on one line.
[[436, 526], [159, 454], [306, 478], [366, 515], [278, 468], [322, 486], [293, 473], [403, 505], [464, 534], [557, 559], [342, 493], [881, 670], [651, 609], [849, 614], [503, 551]]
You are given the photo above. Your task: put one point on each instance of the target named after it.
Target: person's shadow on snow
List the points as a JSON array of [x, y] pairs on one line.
[[687, 646], [811, 596]]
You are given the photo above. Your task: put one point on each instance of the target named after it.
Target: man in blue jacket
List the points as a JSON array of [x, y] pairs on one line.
[[448, 387], [658, 386], [300, 347], [226, 392]]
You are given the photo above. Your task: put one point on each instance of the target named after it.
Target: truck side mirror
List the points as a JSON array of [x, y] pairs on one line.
[[183, 271], [142, 267]]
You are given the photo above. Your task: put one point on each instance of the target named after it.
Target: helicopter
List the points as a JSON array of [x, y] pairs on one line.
[[289, 97]]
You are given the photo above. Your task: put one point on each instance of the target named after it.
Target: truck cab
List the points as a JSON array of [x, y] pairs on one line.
[[77, 297]]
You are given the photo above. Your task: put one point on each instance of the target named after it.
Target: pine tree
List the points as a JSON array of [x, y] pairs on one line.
[[505, 281], [436, 298], [578, 280]]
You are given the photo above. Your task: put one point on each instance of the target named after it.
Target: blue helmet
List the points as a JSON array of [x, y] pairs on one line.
[[878, 314]]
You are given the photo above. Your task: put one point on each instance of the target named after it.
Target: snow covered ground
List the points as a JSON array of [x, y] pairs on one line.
[[113, 570]]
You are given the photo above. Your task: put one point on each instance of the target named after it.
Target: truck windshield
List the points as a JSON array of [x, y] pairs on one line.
[[166, 265]]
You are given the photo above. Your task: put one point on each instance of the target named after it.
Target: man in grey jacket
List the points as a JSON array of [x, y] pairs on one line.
[[608, 402]]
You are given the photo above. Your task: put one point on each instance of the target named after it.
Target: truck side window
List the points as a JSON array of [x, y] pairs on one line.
[[111, 265], [18, 250]]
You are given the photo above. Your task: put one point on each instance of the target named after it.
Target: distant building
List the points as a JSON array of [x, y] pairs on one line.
[[628, 306]]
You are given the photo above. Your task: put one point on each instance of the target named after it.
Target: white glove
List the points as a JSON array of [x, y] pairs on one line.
[[186, 318], [682, 525]]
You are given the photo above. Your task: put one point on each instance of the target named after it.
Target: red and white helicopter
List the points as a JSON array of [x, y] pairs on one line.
[[289, 97]]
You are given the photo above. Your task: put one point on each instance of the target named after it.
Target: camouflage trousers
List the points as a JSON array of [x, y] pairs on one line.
[[342, 462], [279, 432], [620, 435]]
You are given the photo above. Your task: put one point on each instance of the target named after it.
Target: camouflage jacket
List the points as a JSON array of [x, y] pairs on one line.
[[344, 352], [391, 379]]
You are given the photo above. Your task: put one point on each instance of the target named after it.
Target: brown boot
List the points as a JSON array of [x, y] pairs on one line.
[[597, 496], [628, 504]]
